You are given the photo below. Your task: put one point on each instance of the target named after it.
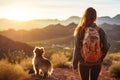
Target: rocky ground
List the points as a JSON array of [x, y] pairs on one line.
[[67, 74]]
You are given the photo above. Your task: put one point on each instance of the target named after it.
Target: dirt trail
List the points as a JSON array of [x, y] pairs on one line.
[[67, 74]]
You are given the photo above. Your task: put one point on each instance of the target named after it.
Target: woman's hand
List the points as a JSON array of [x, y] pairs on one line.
[[75, 71]]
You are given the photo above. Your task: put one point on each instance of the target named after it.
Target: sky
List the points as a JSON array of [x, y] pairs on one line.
[[55, 9]]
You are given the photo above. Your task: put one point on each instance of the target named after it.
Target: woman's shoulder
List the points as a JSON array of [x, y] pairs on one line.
[[101, 30]]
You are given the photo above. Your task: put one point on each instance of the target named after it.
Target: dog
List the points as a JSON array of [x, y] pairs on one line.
[[40, 63]]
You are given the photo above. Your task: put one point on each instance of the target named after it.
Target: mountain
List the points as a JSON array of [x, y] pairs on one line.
[[38, 23], [117, 17], [113, 32], [60, 35], [49, 32], [72, 19], [41, 23], [109, 20], [7, 45]]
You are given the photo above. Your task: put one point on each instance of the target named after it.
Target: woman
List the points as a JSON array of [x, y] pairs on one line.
[[88, 70]]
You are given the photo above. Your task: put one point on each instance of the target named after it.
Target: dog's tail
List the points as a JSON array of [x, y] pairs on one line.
[[50, 71]]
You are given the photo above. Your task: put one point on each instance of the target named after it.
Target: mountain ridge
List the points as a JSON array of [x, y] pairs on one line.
[[41, 23], [60, 34], [9, 45]]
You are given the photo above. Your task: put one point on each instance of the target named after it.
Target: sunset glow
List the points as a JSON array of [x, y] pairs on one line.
[[17, 13], [55, 9]]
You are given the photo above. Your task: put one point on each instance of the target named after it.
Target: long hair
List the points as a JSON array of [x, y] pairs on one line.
[[88, 18]]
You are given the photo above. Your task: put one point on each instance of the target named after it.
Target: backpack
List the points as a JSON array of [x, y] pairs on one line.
[[91, 51]]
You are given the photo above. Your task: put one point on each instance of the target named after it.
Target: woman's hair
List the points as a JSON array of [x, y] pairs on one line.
[[87, 19]]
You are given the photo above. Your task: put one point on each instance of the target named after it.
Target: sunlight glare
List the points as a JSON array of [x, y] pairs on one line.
[[20, 14]]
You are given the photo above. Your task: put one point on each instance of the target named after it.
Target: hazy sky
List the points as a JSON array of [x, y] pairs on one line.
[[55, 9]]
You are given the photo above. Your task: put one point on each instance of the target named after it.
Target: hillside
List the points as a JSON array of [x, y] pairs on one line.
[[41, 23], [113, 32], [60, 35], [7, 45], [47, 33]]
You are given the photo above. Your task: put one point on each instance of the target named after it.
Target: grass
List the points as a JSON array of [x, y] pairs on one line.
[[10, 71], [26, 64], [15, 56], [59, 59], [115, 71], [18, 67], [112, 58]]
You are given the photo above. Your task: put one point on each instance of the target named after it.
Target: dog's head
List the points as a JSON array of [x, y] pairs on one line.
[[39, 51]]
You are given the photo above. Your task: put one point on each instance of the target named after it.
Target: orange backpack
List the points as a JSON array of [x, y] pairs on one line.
[[91, 51]]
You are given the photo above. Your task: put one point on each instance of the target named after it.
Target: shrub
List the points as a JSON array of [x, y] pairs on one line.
[[115, 70], [114, 56], [69, 54], [27, 65], [107, 61], [111, 58], [50, 51], [15, 57], [10, 71], [59, 59]]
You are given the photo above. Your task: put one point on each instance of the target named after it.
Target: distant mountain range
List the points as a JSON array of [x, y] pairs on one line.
[[8, 45], [40, 23], [60, 35], [46, 33]]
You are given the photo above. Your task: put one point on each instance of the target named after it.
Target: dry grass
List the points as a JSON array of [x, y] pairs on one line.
[[59, 59], [114, 56], [10, 71], [111, 58], [113, 62], [27, 64], [115, 71]]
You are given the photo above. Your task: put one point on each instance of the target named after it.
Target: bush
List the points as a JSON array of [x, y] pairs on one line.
[[107, 61], [115, 70], [114, 56], [59, 59], [27, 65], [10, 71], [111, 58], [15, 57], [50, 51]]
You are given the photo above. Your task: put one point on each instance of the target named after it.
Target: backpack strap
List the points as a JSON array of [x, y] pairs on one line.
[[97, 28]]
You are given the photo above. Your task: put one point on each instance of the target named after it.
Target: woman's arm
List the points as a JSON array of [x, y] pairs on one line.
[[105, 45], [77, 49]]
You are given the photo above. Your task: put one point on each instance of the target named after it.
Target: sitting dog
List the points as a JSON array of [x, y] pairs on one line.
[[40, 63]]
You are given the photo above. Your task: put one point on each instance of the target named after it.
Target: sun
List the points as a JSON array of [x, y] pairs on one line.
[[20, 14]]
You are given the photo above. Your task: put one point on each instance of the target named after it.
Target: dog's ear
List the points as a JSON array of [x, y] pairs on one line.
[[35, 49], [42, 48]]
